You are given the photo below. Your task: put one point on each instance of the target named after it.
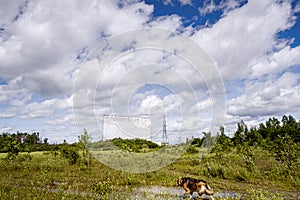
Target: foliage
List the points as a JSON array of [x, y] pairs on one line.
[[279, 138], [259, 194], [46, 176], [248, 156], [267, 154], [286, 151], [208, 140], [84, 141], [135, 145], [70, 153], [103, 188], [192, 150], [26, 142], [197, 142], [223, 144], [13, 150]]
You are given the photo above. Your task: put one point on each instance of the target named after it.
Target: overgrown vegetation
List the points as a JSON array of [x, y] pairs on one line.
[[135, 145], [281, 140], [258, 163]]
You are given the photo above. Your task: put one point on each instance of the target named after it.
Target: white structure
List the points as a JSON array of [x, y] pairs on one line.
[[126, 127]]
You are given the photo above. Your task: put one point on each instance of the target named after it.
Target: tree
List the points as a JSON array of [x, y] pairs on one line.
[[208, 140], [13, 148], [84, 141], [32, 138], [240, 134], [253, 137], [45, 140], [291, 127], [197, 142], [84, 138], [286, 151], [70, 153], [223, 143]]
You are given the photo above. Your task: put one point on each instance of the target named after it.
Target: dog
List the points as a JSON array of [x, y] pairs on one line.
[[191, 185]]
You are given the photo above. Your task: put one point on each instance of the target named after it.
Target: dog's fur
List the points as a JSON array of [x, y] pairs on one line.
[[191, 185]]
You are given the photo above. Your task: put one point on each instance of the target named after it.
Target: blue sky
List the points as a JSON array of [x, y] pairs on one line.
[[190, 11], [44, 46]]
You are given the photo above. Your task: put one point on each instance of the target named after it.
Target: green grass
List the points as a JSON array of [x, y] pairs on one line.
[[45, 175]]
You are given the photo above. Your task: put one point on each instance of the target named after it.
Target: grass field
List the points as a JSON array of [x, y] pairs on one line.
[[46, 175]]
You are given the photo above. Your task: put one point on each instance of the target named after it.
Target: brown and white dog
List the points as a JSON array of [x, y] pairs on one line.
[[191, 185]]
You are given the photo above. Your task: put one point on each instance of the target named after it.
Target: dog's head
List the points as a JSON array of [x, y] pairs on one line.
[[179, 181]]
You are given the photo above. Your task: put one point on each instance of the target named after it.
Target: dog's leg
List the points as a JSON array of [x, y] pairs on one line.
[[188, 192], [209, 193], [201, 191], [191, 195]]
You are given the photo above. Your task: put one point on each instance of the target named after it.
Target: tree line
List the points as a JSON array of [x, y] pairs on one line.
[[279, 138], [13, 143]]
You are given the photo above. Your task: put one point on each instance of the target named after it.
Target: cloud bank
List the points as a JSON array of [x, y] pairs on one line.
[[44, 45]]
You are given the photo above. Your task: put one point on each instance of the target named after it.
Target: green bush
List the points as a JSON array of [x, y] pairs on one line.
[[242, 175], [13, 149], [192, 150], [216, 170], [70, 153], [135, 145], [286, 151]]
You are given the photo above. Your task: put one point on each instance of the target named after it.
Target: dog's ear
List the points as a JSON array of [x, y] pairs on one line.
[[179, 181]]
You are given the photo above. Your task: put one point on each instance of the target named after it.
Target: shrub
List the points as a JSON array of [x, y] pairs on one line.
[[13, 150], [216, 170], [286, 151], [70, 153], [192, 150]]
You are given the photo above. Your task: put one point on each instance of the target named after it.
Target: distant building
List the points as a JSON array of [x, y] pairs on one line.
[[126, 127]]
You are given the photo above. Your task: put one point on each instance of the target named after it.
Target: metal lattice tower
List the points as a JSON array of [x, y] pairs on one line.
[[165, 138]]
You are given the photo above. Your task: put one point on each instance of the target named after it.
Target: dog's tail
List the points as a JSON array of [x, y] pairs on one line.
[[208, 190]]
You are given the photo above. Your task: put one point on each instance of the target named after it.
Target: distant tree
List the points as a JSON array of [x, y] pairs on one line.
[[84, 141], [32, 138], [253, 137], [45, 140], [84, 138], [3, 141], [208, 140], [291, 127], [223, 143], [13, 148], [273, 128], [240, 134], [197, 142]]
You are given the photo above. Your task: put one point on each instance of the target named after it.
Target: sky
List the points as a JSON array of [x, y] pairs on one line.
[[202, 64]]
